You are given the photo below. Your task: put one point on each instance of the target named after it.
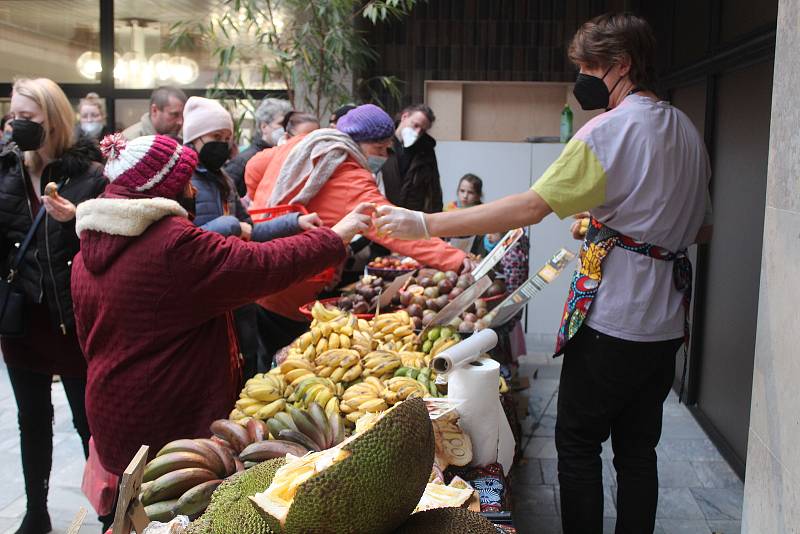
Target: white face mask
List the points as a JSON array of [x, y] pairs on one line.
[[409, 136], [91, 129], [277, 135]]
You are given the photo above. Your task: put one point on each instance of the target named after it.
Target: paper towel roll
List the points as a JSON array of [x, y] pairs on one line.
[[475, 387], [468, 350]]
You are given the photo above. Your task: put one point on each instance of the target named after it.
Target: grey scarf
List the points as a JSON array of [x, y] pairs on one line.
[[313, 161]]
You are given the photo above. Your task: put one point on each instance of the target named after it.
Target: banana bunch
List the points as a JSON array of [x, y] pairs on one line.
[[439, 339], [340, 365], [362, 338], [261, 398], [415, 359], [381, 364], [321, 390], [364, 397], [331, 328], [396, 328], [401, 388], [424, 376], [503, 385], [313, 428]]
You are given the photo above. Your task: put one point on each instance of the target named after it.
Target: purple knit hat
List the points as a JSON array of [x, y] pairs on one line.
[[155, 165], [366, 123]]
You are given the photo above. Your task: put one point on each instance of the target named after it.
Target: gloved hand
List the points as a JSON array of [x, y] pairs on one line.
[[401, 223]]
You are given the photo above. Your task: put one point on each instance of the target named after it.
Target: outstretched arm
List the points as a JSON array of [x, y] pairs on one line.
[[515, 211]]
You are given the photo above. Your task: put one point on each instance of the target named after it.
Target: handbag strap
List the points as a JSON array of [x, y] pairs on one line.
[[27, 241]]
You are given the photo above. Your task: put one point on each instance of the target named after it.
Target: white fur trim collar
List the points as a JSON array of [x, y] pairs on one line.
[[122, 216]]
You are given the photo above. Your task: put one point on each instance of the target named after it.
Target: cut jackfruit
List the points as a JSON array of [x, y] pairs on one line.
[[369, 483], [441, 496]]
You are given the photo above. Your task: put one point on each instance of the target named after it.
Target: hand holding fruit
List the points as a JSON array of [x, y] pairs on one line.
[[401, 223], [58, 207], [580, 226], [356, 222]]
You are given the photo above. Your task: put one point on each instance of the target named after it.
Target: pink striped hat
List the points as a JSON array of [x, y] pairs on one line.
[[154, 165]]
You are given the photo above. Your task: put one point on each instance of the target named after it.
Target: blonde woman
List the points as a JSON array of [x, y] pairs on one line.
[[92, 118], [43, 150]]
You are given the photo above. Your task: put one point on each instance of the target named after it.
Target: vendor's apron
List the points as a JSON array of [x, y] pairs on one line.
[[600, 240]]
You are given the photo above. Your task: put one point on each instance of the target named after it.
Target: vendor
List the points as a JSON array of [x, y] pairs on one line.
[[153, 295], [339, 176], [642, 172]]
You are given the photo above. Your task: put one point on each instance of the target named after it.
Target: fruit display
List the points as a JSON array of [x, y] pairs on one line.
[[447, 521], [314, 430], [394, 331], [424, 296], [370, 483], [261, 398], [423, 376], [439, 338], [364, 296], [364, 397], [395, 263], [230, 510]]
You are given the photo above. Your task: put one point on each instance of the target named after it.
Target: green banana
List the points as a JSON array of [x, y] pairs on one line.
[[306, 425], [299, 437], [321, 421], [161, 511], [275, 427], [195, 500], [287, 421]]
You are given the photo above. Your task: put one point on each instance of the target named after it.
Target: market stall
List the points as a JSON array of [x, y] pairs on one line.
[[389, 402]]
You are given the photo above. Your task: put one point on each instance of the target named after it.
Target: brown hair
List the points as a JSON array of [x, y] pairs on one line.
[[422, 108], [607, 39], [475, 182]]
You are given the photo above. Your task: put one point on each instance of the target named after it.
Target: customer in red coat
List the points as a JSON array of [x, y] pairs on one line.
[[154, 294]]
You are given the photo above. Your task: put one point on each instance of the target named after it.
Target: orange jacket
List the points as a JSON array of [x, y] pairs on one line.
[[350, 185]]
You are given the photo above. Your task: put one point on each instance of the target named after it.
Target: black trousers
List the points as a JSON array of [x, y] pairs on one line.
[[35, 416], [615, 387], [250, 345]]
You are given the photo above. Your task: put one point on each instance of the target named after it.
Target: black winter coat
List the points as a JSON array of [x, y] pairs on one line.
[[419, 187], [45, 271], [236, 166]]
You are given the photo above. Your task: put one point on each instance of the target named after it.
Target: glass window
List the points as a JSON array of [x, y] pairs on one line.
[[59, 39], [146, 58]]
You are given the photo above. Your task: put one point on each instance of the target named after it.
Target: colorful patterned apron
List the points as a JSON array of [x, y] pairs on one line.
[[600, 240]]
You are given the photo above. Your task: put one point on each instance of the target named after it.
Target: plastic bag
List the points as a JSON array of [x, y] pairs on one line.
[[176, 526], [99, 486]]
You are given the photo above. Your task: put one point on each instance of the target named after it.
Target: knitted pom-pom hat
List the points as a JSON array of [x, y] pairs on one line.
[[154, 165]]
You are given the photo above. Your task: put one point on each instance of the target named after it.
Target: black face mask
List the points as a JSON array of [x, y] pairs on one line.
[[28, 135], [214, 154], [591, 92], [189, 204]]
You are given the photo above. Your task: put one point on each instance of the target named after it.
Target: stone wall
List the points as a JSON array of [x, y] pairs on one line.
[[772, 485]]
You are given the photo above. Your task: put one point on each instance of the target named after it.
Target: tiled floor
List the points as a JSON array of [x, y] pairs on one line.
[[65, 493], [699, 493]]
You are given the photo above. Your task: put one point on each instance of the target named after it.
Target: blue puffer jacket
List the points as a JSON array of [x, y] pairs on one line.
[[211, 213]]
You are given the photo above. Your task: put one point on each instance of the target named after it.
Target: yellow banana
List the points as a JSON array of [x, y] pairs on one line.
[[263, 393], [352, 373], [355, 416], [323, 397], [322, 346], [333, 341], [316, 335], [337, 374], [332, 406], [290, 364], [241, 404], [292, 375], [252, 410], [309, 353], [344, 340], [326, 371], [271, 409], [374, 405]]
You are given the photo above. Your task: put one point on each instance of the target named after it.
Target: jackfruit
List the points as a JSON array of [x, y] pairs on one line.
[[447, 521], [440, 496], [230, 510], [371, 482]]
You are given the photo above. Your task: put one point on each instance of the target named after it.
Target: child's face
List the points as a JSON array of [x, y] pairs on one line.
[[467, 196]]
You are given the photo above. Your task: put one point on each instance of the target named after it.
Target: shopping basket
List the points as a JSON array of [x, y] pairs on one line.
[[267, 214]]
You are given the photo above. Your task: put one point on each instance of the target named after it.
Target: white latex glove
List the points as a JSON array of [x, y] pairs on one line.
[[401, 223]]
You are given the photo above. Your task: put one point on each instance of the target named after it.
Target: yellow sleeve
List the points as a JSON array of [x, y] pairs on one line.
[[575, 182]]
